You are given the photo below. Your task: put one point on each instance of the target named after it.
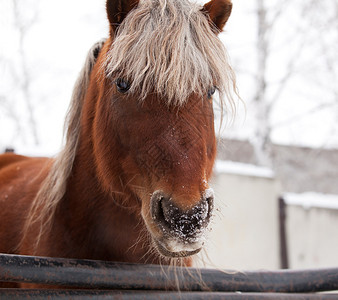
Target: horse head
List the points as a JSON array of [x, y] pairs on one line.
[[154, 122]]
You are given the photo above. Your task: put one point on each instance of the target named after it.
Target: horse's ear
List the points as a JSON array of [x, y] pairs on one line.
[[219, 12], [117, 11]]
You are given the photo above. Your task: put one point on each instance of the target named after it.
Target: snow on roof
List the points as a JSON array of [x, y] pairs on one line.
[[312, 200], [34, 151], [230, 167]]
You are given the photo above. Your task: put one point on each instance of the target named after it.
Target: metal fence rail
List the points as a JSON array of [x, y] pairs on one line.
[[132, 281], [152, 295]]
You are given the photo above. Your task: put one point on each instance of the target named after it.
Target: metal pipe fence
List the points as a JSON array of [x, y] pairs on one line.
[[88, 279], [9, 294]]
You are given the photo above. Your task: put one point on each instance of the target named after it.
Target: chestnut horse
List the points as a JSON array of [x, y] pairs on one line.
[[131, 183]]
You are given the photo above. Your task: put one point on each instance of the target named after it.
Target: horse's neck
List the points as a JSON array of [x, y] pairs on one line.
[[95, 222], [91, 222]]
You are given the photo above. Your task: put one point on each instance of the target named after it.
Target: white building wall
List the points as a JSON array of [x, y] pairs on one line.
[[312, 234], [245, 232]]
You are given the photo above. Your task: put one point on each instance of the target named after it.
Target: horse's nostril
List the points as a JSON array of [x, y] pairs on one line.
[[210, 202], [160, 214], [156, 208], [160, 210], [208, 197]]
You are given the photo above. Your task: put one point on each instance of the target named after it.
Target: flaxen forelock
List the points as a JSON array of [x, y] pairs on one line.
[[168, 47]]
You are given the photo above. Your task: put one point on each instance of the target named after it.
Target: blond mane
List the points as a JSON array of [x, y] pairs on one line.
[[168, 47], [54, 185]]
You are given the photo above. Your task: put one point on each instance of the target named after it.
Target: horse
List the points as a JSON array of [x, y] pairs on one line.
[[131, 183]]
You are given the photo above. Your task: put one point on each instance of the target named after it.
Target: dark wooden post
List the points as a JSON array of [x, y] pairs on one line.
[[282, 235]]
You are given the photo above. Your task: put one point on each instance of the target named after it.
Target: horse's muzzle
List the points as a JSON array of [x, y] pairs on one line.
[[182, 230]]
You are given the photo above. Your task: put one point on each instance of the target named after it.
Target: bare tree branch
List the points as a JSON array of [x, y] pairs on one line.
[[305, 114], [23, 28]]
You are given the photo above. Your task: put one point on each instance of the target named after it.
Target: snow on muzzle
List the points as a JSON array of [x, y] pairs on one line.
[[182, 231]]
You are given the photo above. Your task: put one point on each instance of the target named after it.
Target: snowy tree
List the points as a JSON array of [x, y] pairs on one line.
[[16, 102], [293, 46], [325, 16]]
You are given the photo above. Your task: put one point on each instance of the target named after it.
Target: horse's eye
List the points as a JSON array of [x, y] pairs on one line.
[[211, 91], [122, 85]]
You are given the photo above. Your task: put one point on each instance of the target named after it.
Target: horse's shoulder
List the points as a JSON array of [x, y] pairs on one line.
[[11, 163], [10, 158], [20, 178]]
